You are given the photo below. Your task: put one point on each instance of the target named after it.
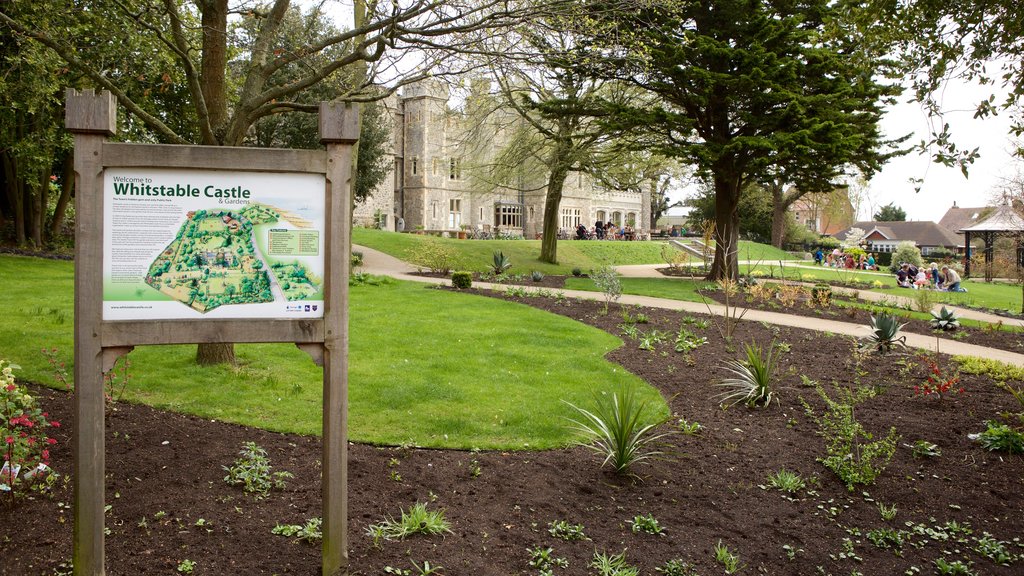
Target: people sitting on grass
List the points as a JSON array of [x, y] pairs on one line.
[[903, 277], [871, 262], [951, 280], [936, 278], [921, 281]]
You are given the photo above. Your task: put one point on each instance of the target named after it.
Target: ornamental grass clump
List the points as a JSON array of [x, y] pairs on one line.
[[25, 447], [754, 378], [416, 520], [619, 429], [500, 263]]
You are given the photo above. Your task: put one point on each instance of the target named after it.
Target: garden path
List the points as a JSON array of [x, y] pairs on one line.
[[376, 262]]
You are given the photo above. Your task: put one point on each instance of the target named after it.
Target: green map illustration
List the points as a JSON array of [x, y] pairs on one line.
[[214, 260]]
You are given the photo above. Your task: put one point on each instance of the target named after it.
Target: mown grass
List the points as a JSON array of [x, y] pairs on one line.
[[476, 255], [672, 288], [427, 367]]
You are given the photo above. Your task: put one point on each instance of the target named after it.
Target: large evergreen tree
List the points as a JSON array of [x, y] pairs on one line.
[[749, 89]]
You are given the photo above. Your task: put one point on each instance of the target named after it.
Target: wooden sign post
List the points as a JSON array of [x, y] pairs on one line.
[[100, 339]]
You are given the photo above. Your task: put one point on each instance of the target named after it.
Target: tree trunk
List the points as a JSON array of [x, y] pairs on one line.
[[213, 68], [211, 354], [549, 242], [727, 228], [15, 197], [37, 208], [67, 186], [779, 209]]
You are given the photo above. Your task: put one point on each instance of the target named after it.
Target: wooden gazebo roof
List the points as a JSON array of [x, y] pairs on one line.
[[1002, 219]]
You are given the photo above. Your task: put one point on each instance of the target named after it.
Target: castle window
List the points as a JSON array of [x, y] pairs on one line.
[[454, 213], [571, 217], [508, 215], [415, 161], [433, 167], [454, 168]]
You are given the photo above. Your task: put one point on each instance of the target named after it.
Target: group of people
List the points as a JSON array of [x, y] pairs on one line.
[[935, 278], [839, 259], [605, 231]]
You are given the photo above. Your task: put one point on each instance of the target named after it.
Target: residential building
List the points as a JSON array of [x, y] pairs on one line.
[[885, 236]]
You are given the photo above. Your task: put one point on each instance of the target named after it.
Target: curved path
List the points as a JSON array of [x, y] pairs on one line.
[[377, 262]]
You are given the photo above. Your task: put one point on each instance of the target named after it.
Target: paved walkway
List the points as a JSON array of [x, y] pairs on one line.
[[377, 262]]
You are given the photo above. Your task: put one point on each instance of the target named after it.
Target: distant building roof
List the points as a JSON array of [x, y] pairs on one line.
[[956, 218], [920, 232], [1002, 219]]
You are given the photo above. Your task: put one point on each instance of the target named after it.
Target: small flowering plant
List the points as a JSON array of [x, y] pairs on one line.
[[937, 382], [24, 444]]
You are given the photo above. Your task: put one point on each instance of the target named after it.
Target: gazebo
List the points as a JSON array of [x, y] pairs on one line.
[[1003, 221]]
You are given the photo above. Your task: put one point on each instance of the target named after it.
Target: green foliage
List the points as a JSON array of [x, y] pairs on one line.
[[252, 472], [612, 565], [566, 531], [416, 520], [905, 252], [577, 272], [729, 560], [885, 329], [689, 428], [24, 443], [647, 524], [925, 449], [945, 319], [500, 263], [356, 259], [1001, 437], [787, 481], [687, 341], [753, 381], [434, 255], [544, 559], [186, 566], [890, 213], [607, 281], [618, 429], [945, 567], [462, 280], [309, 532], [998, 371], [537, 276], [849, 451]]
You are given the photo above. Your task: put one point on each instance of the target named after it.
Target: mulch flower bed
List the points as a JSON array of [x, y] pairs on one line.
[[169, 501]]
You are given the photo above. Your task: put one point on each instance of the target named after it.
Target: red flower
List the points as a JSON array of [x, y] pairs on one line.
[[46, 454], [11, 387], [55, 424], [51, 441], [10, 439]]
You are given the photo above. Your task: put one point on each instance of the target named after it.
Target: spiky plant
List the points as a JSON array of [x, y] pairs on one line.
[[501, 263], [619, 429], [945, 320], [885, 330], [753, 381]]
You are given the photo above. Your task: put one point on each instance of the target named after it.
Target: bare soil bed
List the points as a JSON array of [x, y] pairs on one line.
[[169, 502]]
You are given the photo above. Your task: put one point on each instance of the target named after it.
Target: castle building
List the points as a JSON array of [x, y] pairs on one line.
[[437, 181]]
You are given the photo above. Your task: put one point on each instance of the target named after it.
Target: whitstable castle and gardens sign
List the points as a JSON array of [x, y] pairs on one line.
[[191, 244], [208, 244]]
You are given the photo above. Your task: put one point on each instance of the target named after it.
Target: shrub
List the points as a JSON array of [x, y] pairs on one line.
[[617, 430], [252, 471], [434, 255], [500, 263], [753, 382], [905, 252], [821, 294], [849, 451], [462, 280], [607, 281], [577, 272], [537, 276], [24, 444], [356, 259]]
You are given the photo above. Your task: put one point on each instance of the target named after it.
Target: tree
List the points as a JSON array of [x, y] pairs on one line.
[[754, 211], [938, 40], [229, 91], [749, 89], [558, 109], [890, 213]]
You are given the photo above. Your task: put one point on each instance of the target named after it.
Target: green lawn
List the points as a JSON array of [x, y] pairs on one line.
[[671, 288], [476, 255], [428, 367]]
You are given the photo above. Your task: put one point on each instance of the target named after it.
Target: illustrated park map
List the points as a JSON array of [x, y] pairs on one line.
[[215, 260]]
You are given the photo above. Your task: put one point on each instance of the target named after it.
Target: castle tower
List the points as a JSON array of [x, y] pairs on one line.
[[426, 170]]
